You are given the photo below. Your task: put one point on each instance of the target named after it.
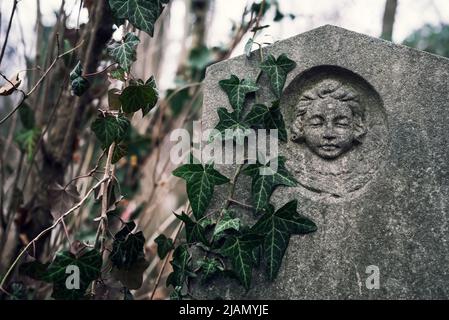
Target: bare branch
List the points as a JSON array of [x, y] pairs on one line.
[[42, 78], [45, 231], [13, 11]]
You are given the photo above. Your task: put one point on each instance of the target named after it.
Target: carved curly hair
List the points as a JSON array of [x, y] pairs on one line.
[[336, 90]]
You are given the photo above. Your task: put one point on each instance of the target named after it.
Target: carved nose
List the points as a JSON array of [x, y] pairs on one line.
[[329, 134]]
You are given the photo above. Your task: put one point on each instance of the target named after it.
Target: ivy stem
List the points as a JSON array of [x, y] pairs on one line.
[[159, 276], [246, 206], [39, 82], [102, 227], [233, 183], [99, 72]]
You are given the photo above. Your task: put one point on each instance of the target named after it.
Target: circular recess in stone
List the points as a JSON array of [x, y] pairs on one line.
[[338, 132]]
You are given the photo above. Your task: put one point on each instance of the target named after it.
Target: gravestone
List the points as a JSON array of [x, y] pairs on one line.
[[380, 198]]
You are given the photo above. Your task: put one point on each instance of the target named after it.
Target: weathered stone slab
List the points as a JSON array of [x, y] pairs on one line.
[[381, 197]]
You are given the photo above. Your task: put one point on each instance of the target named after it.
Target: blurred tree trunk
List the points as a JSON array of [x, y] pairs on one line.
[[388, 20]]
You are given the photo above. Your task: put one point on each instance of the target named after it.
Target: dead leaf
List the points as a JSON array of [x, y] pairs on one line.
[[62, 199], [109, 289], [10, 86], [131, 278], [114, 99]]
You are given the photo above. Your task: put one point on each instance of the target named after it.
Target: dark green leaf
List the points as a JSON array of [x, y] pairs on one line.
[[237, 90], [139, 96], [79, 83], [181, 268], [89, 264], [239, 250], [277, 227], [209, 268], [35, 270], [177, 294], [110, 128], [164, 245], [26, 116], [268, 118], [194, 231], [277, 70], [27, 140], [199, 58], [124, 52], [230, 126], [118, 74], [263, 185], [120, 151], [127, 247], [226, 223], [200, 181], [260, 8], [278, 15], [142, 14]]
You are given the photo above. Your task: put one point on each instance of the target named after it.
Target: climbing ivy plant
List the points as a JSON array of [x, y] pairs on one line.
[[229, 245], [120, 255]]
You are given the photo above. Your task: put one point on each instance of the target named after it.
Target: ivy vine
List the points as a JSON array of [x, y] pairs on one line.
[[120, 255], [231, 246]]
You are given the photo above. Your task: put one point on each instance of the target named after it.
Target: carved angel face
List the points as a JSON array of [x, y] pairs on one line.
[[329, 128]]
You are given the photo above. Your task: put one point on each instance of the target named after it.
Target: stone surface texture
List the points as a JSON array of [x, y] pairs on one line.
[[385, 201]]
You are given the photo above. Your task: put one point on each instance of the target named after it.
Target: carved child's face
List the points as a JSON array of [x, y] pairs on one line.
[[328, 128]]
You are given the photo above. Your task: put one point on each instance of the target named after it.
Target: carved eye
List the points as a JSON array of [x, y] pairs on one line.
[[342, 122], [315, 122]]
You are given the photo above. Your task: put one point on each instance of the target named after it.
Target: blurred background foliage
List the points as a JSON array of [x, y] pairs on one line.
[[430, 38]]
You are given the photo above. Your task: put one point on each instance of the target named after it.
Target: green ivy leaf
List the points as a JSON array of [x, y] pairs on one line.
[[230, 121], [176, 294], [27, 140], [268, 118], [195, 232], [277, 227], [142, 14], [118, 74], [277, 70], [239, 250], [209, 268], [79, 83], [26, 116], [89, 264], [127, 247], [124, 53], [181, 268], [237, 90], [120, 151], [164, 245], [109, 128], [200, 181], [226, 223], [262, 186], [139, 96], [35, 270]]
